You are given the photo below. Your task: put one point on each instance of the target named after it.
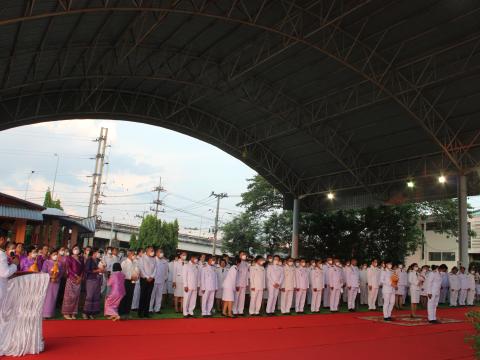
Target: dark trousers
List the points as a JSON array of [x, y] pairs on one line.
[[145, 295], [126, 302]]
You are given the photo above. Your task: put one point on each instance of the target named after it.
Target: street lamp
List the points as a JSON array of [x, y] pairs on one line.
[[55, 176], [28, 183]]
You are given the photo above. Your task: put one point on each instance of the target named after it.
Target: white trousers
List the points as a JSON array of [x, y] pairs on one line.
[[239, 301], [272, 299], [462, 297], [207, 302], [453, 297], [287, 297], [470, 297], [136, 296], [156, 298], [388, 303], [363, 294], [443, 295], [372, 298], [432, 307], [326, 297], [300, 296], [352, 296], [255, 301], [334, 299], [189, 301], [316, 300]]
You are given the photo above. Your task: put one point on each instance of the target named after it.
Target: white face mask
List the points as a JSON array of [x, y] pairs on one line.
[[400, 267], [261, 263], [415, 268], [330, 262], [212, 263], [290, 263], [183, 257], [62, 252], [338, 264], [160, 255], [76, 251], [54, 257], [109, 252], [303, 264], [195, 261], [34, 255], [275, 262], [472, 272], [244, 257], [389, 266]]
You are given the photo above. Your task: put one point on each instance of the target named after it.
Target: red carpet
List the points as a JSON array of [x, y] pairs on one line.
[[338, 336]]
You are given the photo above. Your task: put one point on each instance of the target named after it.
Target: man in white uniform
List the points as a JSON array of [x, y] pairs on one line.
[[335, 281], [471, 288], [257, 285], [373, 284], [462, 277], [241, 285], [317, 283], [301, 281], [177, 283], [6, 269], [326, 292], [454, 282], [288, 286], [190, 280], [208, 286], [161, 276], [401, 293], [444, 290], [432, 285], [363, 285], [221, 274], [146, 266], [352, 276], [388, 291], [275, 278]]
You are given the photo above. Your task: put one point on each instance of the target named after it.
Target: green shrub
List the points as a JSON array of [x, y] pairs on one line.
[[474, 317]]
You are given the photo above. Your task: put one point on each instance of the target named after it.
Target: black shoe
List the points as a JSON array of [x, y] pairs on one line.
[[434, 322], [159, 312], [387, 319], [186, 316]]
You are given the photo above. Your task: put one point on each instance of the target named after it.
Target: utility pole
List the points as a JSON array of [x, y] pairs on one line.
[[55, 176], [219, 197], [159, 189], [28, 183], [98, 173]]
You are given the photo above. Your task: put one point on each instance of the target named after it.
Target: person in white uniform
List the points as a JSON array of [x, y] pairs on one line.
[[433, 283], [288, 286], [146, 267], [454, 282], [178, 281], [302, 283], [389, 281], [221, 272], [317, 283], [471, 288], [373, 284], [363, 285], [257, 285], [161, 276], [326, 292], [208, 286], [230, 288], [335, 281], [241, 286], [352, 277], [6, 269], [414, 286], [190, 281], [445, 289], [462, 296], [401, 293], [275, 277]]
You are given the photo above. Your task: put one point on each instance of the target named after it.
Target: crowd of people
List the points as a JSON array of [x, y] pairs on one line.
[[144, 280]]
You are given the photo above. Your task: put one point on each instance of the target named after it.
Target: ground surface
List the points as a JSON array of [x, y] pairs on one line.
[[343, 335]]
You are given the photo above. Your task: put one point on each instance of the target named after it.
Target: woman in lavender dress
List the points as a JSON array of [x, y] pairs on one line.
[[54, 268], [116, 284], [74, 268], [93, 285], [30, 262]]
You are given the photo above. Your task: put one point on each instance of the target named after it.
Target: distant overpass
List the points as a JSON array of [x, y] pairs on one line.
[[121, 233]]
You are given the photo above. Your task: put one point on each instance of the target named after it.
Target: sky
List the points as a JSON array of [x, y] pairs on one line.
[[138, 156]]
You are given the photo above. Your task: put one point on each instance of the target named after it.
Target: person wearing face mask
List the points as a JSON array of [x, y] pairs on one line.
[[454, 282], [93, 285], [136, 290], [401, 293], [389, 282], [131, 273], [470, 287], [146, 265], [317, 283], [462, 295], [257, 285], [221, 272], [373, 277], [191, 284], [275, 277], [326, 291], [52, 267], [208, 285], [6, 269], [432, 286], [335, 281], [74, 268], [30, 262], [161, 276], [301, 286], [229, 289], [363, 285], [242, 282], [444, 290], [352, 276], [414, 285], [43, 255], [288, 286], [178, 282]]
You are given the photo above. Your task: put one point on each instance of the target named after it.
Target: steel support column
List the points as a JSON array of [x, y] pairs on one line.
[[296, 218], [463, 221]]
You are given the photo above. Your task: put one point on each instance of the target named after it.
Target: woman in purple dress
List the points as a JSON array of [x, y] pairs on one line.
[[30, 262], [74, 269], [93, 285], [54, 268], [116, 284]]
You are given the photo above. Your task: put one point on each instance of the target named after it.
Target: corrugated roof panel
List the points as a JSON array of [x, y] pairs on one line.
[[19, 213]]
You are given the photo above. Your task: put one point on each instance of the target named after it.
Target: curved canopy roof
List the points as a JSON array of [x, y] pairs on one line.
[[353, 96]]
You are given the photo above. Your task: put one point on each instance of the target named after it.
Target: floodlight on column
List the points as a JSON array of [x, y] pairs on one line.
[[442, 179], [410, 184], [330, 196]]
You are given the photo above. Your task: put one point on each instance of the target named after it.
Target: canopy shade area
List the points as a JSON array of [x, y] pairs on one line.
[[355, 97]]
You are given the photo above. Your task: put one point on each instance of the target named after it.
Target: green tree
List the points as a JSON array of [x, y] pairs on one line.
[[48, 201], [260, 197], [133, 241], [158, 233], [276, 232], [241, 233]]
